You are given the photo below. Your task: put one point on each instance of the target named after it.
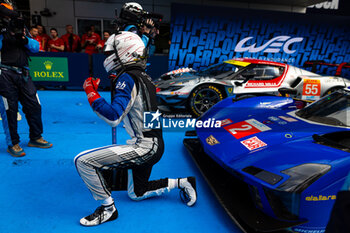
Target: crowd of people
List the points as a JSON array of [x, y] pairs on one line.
[[89, 43]]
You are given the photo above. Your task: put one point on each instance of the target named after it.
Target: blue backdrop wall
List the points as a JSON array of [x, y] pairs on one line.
[[203, 35]]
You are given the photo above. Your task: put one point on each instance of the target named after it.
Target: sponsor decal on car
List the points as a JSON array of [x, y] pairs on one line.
[[179, 93], [253, 143], [312, 230], [311, 87], [261, 84], [320, 198], [181, 70], [211, 140], [268, 122], [272, 118], [277, 120], [246, 128], [226, 122], [287, 118]]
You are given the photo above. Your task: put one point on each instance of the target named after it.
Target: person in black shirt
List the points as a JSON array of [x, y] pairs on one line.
[[16, 85]]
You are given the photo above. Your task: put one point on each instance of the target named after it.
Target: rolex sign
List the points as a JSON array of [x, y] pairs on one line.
[[49, 69]]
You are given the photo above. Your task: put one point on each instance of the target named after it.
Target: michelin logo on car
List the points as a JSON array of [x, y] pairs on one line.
[[154, 120]]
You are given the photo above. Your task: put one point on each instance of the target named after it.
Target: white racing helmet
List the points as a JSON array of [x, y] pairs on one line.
[[133, 6], [122, 49]]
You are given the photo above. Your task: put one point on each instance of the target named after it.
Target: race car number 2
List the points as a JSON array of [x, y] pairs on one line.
[[246, 128], [312, 87]]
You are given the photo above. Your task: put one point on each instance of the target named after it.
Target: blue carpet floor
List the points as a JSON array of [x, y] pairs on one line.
[[42, 192]]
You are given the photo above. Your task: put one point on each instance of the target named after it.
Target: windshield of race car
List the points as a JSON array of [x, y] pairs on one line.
[[332, 109], [259, 72], [218, 69]]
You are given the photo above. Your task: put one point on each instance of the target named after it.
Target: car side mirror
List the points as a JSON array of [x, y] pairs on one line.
[[284, 91]]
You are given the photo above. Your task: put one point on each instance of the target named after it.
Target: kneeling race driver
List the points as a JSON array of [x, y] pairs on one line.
[[135, 94]]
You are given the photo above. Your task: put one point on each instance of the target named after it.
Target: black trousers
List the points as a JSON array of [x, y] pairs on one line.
[[13, 88], [141, 175]]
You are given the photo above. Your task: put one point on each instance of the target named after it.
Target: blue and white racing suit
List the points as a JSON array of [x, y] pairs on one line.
[[135, 94]]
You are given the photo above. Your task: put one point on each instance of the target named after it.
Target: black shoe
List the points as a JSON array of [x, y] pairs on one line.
[[102, 214], [188, 192]]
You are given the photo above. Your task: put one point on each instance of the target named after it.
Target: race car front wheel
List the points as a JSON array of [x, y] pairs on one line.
[[203, 98]]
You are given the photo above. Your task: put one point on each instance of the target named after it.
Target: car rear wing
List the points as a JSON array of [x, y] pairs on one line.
[[316, 63]]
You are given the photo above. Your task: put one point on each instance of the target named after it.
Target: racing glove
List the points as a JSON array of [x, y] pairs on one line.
[[90, 87]]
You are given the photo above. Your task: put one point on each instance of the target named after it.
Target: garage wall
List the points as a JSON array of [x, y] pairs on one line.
[[67, 11]]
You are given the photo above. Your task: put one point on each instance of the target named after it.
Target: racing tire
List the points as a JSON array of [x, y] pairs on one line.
[[203, 98]]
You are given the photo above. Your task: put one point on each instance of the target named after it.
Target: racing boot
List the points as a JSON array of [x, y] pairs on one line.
[[188, 192], [102, 214]]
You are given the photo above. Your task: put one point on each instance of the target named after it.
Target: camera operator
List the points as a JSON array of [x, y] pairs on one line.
[[6, 10], [132, 20], [15, 83]]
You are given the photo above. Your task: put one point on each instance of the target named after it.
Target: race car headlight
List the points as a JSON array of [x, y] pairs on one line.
[[302, 176]]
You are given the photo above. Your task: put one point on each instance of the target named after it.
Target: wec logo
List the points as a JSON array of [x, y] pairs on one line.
[[272, 46]]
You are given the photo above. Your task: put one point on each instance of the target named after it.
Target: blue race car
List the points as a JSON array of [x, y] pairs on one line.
[[274, 167]]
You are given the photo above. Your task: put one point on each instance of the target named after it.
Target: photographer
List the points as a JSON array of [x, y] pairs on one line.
[[15, 83]]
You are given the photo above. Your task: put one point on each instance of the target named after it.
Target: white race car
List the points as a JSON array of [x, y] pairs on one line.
[[197, 91]]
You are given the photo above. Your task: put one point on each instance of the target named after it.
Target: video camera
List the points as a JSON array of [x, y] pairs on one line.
[[10, 20], [130, 15], [17, 26]]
